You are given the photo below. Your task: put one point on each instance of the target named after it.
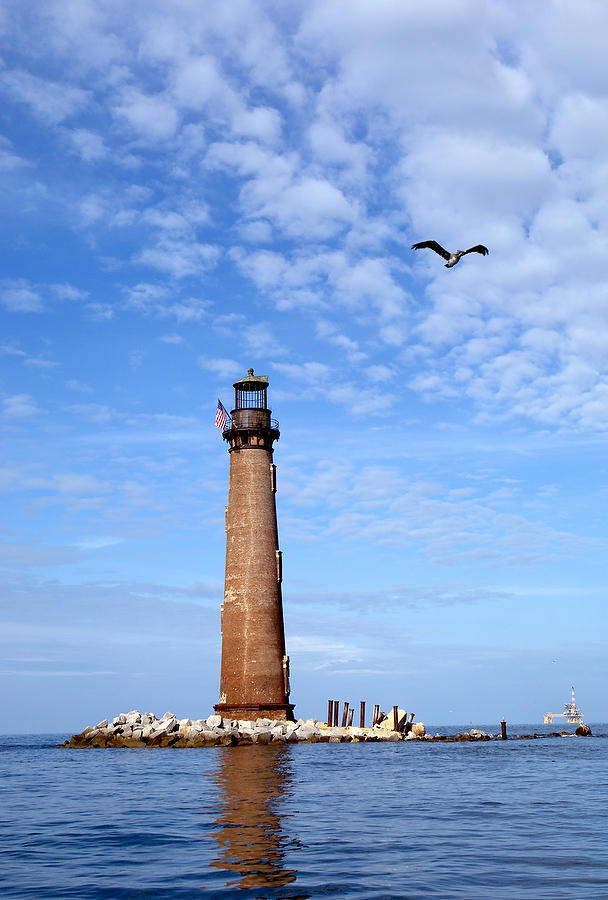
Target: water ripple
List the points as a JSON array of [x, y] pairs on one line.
[[395, 821]]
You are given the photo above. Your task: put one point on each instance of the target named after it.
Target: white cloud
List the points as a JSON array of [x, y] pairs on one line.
[[323, 280], [451, 184], [99, 312], [373, 154], [151, 117], [266, 268], [297, 204], [379, 373], [260, 340], [80, 33], [309, 372], [89, 145], [147, 297], [374, 73], [78, 483], [49, 101], [360, 401], [94, 412], [98, 543], [68, 291], [136, 358], [331, 147], [100, 208], [198, 82], [408, 596], [224, 368], [350, 348], [166, 220], [261, 123], [75, 385], [370, 281], [378, 504], [18, 295], [19, 406], [159, 300], [168, 420], [309, 207], [329, 652], [258, 232], [190, 309], [247, 158], [319, 380], [179, 258], [9, 161], [40, 362], [9, 350]]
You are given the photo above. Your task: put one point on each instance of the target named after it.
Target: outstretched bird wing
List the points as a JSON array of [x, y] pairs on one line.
[[433, 245], [478, 248]]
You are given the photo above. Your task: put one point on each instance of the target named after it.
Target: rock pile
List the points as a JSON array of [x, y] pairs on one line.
[[134, 729]]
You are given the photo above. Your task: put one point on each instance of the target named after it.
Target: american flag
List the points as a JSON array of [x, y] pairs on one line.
[[220, 416]]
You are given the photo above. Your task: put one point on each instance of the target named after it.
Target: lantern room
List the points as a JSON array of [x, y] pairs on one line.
[[250, 392], [251, 413]]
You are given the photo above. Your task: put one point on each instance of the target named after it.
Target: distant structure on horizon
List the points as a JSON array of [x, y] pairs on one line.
[[254, 679], [571, 713]]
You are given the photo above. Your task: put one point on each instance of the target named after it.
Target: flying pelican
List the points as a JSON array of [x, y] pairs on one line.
[[452, 258]]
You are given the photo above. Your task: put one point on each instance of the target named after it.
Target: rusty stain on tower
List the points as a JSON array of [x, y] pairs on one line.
[[254, 680]]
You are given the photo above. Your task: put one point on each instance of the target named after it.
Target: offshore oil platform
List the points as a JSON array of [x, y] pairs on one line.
[[571, 713]]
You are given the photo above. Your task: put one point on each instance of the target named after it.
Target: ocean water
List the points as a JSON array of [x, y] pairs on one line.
[[512, 819]]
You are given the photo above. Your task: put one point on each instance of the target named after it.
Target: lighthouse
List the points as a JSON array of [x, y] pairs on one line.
[[254, 679]]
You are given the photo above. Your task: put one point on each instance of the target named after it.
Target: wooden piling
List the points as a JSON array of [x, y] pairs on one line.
[[336, 710], [395, 718], [376, 712], [330, 712], [503, 729], [350, 716], [362, 715], [345, 714]]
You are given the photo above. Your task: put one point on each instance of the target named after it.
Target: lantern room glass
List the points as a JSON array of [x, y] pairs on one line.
[[250, 397]]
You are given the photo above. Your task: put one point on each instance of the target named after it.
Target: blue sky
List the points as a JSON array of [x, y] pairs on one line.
[[190, 190]]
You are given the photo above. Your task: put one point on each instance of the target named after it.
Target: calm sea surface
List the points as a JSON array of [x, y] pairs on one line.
[[516, 819]]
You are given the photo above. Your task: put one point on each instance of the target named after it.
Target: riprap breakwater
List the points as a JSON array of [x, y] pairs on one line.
[[135, 729]]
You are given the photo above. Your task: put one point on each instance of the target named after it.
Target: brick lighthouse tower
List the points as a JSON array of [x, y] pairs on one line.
[[254, 679]]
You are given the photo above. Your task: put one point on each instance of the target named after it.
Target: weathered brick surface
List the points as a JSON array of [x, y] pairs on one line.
[[252, 681]]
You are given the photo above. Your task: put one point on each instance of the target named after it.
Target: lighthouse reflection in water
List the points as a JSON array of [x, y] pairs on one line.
[[251, 783]]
